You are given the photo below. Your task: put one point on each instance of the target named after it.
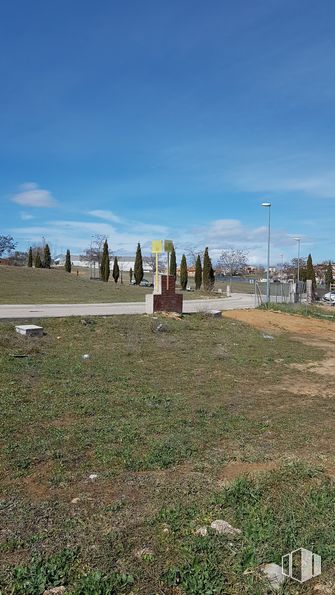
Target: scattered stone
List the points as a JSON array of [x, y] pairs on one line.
[[274, 574], [93, 476], [85, 356], [202, 531], [55, 591], [160, 328], [86, 321], [268, 337], [75, 500], [224, 528], [29, 330], [144, 553]]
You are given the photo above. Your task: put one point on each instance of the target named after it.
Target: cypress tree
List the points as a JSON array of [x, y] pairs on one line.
[[138, 267], [105, 267], [173, 263], [47, 257], [208, 275], [329, 279], [38, 262], [130, 275], [310, 272], [183, 273], [116, 270], [68, 264], [30, 257], [198, 273]]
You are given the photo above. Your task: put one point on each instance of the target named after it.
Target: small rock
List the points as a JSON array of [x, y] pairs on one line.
[[224, 528], [268, 337], [85, 356], [55, 591], [202, 531], [274, 574], [93, 476], [75, 500], [144, 554]]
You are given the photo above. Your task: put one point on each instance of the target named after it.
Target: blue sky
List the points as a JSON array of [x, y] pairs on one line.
[[152, 119]]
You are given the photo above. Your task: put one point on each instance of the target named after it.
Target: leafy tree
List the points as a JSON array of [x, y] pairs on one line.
[[310, 272], [198, 273], [6, 244], [138, 267], [130, 275], [183, 272], [68, 264], [30, 257], [116, 270], [47, 257], [329, 278], [208, 275], [105, 266], [38, 262], [173, 263]]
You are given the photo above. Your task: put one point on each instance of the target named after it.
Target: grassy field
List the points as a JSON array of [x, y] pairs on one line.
[[20, 285], [181, 424]]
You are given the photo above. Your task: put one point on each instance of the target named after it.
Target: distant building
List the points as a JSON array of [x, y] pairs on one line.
[[125, 262]]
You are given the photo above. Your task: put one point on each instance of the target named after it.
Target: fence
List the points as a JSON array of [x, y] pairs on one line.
[[280, 293]]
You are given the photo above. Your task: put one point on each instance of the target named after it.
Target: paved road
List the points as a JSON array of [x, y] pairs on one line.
[[235, 302]]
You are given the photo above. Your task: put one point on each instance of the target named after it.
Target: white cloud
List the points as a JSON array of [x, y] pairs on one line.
[[31, 195], [217, 235], [25, 216], [106, 215]]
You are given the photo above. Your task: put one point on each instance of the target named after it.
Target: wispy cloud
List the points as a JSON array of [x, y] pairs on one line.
[[25, 216], [30, 195], [106, 215]]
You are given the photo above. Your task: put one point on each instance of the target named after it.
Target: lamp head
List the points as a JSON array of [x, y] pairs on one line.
[[266, 204]]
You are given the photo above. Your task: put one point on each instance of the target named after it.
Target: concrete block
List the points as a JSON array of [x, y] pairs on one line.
[[29, 330], [149, 303]]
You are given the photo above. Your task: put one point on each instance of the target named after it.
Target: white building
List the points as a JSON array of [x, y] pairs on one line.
[[125, 262]]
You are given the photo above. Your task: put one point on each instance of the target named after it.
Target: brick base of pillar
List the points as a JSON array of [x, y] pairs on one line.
[[168, 300]]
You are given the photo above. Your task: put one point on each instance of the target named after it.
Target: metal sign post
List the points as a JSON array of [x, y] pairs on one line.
[[156, 248], [168, 247]]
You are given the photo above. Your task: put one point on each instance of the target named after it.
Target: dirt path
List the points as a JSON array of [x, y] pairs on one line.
[[321, 330]]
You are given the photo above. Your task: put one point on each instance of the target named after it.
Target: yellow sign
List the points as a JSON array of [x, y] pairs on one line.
[[168, 245], [156, 246]]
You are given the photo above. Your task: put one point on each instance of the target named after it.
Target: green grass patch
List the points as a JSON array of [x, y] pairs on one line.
[[301, 310]]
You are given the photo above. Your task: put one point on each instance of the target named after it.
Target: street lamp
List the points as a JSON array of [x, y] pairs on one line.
[[298, 276], [268, 206]]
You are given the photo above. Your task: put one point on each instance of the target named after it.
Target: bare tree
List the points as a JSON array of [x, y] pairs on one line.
[[150, 261], [95, 250], [7, 244], [192, 253], [233, 261]]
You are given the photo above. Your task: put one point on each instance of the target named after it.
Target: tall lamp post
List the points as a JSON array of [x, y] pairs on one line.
[[268, 206]]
